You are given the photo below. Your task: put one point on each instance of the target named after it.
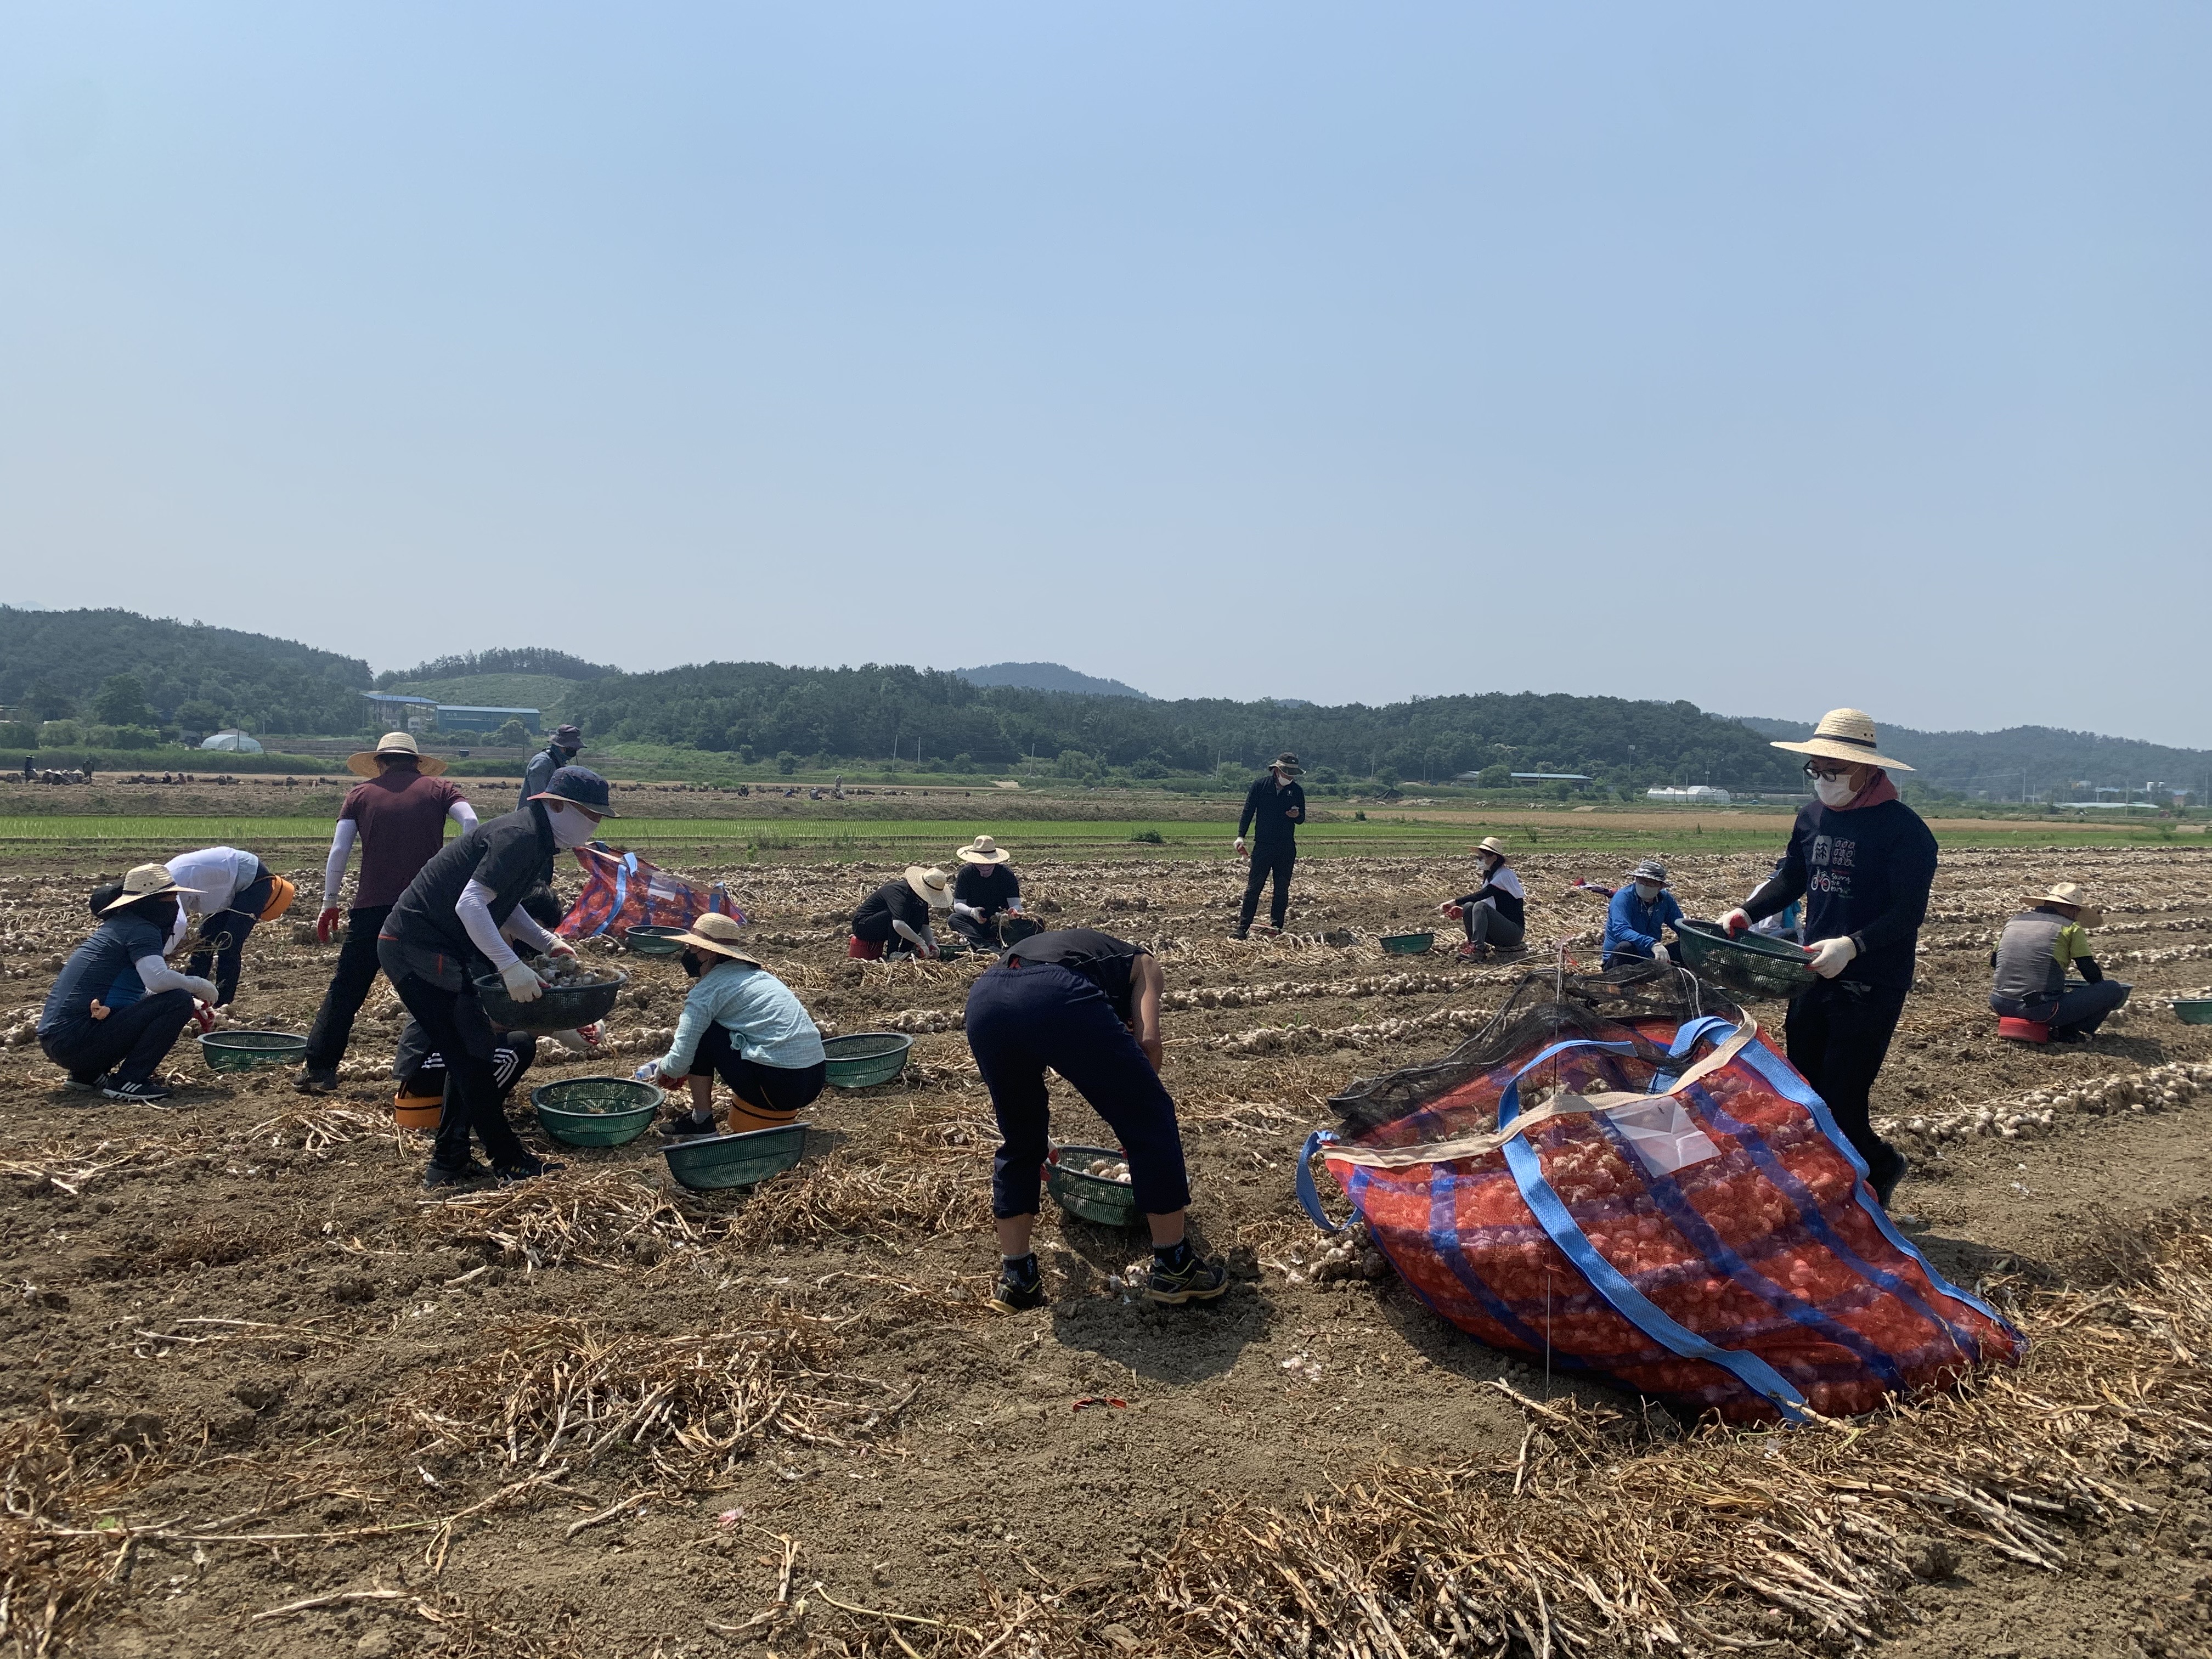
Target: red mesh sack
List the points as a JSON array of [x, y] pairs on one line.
[[622, 890], [1662, 1202]]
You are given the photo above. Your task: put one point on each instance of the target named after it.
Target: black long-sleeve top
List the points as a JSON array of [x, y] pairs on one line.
[[1264, 806], [1864, 875]]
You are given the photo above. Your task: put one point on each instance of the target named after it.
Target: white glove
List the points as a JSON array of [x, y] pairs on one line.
[[967, 910], [1240, 843], [1831, 955], [522, 983], [203, 989], [561, 947], [574, 1041], [1736, 921], [1659, 954]]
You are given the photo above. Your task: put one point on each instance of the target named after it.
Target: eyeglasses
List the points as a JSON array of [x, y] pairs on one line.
[[1814, 771]]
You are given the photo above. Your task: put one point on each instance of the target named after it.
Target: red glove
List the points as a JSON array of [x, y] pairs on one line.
[[327, 923], [1734, 922]]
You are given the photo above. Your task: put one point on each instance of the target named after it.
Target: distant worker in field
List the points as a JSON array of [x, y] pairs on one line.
[[227, 891], [1788, 924], [1274, 807], [893, 920], [1088, 1005], [1863, 862], [1638, 909], [1496, 914], [2031, 960], [561, 750], [398, 817], [985, 892]]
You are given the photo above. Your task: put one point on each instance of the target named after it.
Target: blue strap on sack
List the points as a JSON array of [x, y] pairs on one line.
[[1309, 1195]]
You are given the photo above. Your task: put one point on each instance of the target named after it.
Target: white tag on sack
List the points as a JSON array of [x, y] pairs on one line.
[[1665, 1137]]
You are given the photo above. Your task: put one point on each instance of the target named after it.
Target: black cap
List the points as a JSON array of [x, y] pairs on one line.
[[580, 786], [568, 737]]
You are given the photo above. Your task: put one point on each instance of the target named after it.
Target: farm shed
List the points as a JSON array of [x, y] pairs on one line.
[[465, 717]]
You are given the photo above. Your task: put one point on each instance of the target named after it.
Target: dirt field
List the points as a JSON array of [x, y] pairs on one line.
[[261, 1397]]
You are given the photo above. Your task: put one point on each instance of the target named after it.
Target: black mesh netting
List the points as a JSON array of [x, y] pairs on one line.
[[1545, 1006]]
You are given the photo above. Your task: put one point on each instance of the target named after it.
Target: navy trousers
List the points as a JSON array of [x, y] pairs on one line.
[[1269, 857], [1838, 1033], [1022, 1019], [133, 1040]]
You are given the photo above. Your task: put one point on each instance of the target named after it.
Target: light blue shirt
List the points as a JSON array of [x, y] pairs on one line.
[[765, 1021]]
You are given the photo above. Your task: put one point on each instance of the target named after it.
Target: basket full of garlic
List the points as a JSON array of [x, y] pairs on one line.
[[1092, 1183]]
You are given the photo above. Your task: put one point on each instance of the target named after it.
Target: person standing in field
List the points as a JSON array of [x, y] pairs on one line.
[[1863, 862], [1496, 914], [1274, 806], [561, 750], [1088, 1005], [398, 819], [2031, 957]]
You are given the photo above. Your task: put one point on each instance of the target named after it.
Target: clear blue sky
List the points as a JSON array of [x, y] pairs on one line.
[[1774, 357]]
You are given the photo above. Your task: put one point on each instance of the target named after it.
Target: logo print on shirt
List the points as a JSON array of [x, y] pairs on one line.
[[1834, 858]]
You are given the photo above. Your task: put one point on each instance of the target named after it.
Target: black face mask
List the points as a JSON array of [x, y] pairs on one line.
[[691, 964]]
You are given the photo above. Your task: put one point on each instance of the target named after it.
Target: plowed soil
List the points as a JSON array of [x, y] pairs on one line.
[[264, 1397]]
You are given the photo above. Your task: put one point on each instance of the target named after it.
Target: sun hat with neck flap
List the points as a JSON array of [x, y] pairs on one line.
[[394, 746], [982, 850], [1844, 734], [715, 931]]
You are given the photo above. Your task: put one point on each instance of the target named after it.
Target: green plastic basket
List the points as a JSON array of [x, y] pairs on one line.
[[595, 1111], [712, 1162], [1407, 945], [2194, 1011], [1090, 1197], [243, 1051], [561, 1010], [1750, 964], [865, 1059], [649, 940]]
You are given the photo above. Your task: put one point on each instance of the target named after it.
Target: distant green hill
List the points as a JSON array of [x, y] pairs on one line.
[[1048, 676], [2046, 761]]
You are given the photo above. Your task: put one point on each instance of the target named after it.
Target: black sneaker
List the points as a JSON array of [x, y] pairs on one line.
[[1240, 932], [315, 1081], [1508, 952], [1195, 1281], [528, 1167], [1015, 1294], [436, 1175], [139, 1091], [686, 1128], [83, 1084], [1884, 1180]]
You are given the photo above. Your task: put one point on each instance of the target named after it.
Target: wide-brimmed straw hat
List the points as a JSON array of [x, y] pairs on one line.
[[394, 746], [715, 931], [1492, 844], [1844, 734], [2074, 894], [145, 881], [1650, 870], [933, 883], [1285, 763], [982, 850]]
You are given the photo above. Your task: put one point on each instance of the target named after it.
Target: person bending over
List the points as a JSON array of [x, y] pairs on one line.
[[2031, 960], [1638, 911], [893, 920], [742, 1024], [1088, 1005], [229, 891], [1496, 914], [116, 1002]]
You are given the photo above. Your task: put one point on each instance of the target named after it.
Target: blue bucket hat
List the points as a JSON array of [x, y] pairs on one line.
[[579, 787]]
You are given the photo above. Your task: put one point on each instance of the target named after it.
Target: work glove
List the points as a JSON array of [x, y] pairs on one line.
[[1659, 954], [203, 989], [576, 1041], [522, 981], [561, 948], [1831, 955], [1736, 921], [327, 923], [1240, 843], [967, 910]]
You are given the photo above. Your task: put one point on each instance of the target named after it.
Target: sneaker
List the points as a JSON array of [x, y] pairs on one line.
[[139, 1091], [315, 1080], [528, 1167], [686, 1128], [1473, 952], [1196, 1281], [1508, 952], [1240, 932], [83, 1084], [1884, 1182], [1014, 1294], [436, 1175]]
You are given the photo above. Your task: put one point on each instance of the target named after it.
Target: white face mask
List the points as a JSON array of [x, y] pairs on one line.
[[571, 829], [1834, 792], [1647, 891]]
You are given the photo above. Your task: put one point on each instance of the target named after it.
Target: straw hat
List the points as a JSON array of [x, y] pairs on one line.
[[397, 745], [982, 850], [932, 883], [715, 931], [1844, 734], [2072, 894], [144, 881], [1492, 844]]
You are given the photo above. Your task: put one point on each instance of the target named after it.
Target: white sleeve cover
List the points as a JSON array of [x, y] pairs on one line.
[[474, 908], [334, 868], [906, 931], [157, 975], [463, 814], [521, 925]]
